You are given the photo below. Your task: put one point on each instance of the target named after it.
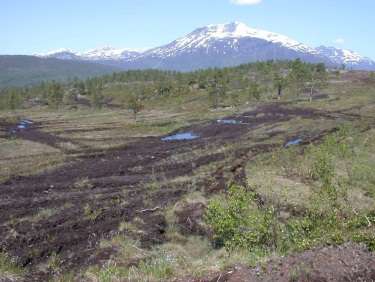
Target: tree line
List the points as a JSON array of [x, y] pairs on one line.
[[134, 88]]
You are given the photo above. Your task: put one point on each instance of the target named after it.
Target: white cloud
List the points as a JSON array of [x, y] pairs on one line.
[[245, 2], [339, 41]]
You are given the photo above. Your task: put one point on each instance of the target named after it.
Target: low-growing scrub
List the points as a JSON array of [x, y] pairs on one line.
[[8, 269], [240, 221], [161, 263]]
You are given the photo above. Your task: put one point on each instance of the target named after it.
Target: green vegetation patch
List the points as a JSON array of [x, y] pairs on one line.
[[8, 268], [328, 214]]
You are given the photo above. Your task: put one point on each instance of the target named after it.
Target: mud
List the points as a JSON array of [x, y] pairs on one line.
[[190, 219], [34, 133], [345, 263], [89, 197]]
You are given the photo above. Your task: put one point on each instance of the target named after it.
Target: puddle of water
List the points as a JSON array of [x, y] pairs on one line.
[[229, 121], [293, 142], [26, 121], [23, 124], [181, 137]]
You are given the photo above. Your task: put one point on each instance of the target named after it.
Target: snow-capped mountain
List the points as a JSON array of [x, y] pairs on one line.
[[350, 59], [99, 54], [224, 45], [219, 45], [62, 54], [206, 38], [109, 53]]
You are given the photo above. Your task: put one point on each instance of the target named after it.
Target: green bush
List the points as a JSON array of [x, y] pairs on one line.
[[239, 223], [323, 169]]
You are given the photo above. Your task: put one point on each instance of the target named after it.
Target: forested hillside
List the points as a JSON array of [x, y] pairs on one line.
[[221, 87], [29, 70]]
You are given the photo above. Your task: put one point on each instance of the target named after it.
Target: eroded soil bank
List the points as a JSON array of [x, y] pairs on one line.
[[67, 211], [344, 263]]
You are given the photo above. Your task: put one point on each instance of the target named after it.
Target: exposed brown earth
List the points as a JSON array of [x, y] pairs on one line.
[[90, 197], [349, 262], [190, 219]]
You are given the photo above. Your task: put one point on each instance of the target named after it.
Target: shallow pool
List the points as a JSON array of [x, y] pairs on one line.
[[294, 142], [181, 137], [229, 121], [27, 121], [23, 124]]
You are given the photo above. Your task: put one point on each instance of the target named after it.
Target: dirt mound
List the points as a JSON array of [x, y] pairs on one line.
[[31, 131], [349, 262], [68, 211], [190, 219]]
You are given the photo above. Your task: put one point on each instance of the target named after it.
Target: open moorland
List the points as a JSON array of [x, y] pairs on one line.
[[207, 178]]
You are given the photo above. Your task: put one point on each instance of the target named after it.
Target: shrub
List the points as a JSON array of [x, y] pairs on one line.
[[323, 169], [238, 222]]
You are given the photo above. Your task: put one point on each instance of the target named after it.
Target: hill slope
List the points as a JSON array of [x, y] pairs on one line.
[[219, 45], [350, 59], [26, 70]]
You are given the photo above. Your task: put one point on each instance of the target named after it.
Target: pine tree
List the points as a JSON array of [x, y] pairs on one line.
[[317, 78], [55, 94], [135, 105], [14, 99], [298, 76], [254, 91], [279, 83], [217, 89], [97, 97]]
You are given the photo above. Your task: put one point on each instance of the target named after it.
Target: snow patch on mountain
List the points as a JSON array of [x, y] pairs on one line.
[[109, 53], [215, 46], [344, 56], [62, 54], [204, 37], [104, 53], [61, 50]]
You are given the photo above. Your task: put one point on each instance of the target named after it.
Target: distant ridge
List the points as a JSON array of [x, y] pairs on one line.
[[21, 70], [221, 45], [218, 46]]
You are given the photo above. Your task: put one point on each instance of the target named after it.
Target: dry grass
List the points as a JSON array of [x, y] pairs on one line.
[[282, 176]]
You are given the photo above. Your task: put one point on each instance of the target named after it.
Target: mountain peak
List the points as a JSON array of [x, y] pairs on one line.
[[105, 53], [208, 36], [344, 56], [217, 45], [96, 54], [53, 52], [231, 27], [62, 54]]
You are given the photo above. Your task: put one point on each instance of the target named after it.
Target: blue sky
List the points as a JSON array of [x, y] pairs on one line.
[[31, 26]]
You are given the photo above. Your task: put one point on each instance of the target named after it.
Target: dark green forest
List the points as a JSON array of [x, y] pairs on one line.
[[131, 89], [30, 70]]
